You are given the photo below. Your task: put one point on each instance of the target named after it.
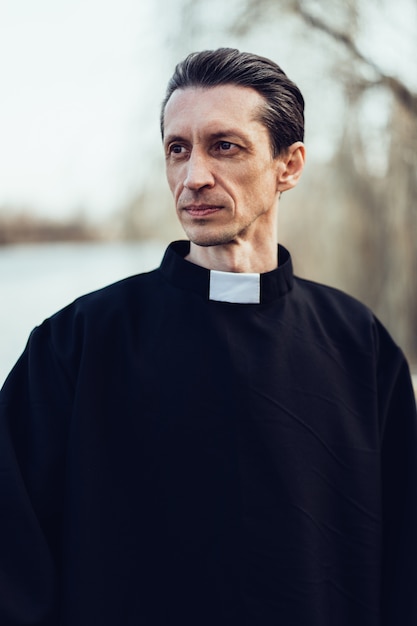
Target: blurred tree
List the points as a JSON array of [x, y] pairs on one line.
[[384, 202]]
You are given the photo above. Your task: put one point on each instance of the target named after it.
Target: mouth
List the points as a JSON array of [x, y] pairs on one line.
[[201, 210]]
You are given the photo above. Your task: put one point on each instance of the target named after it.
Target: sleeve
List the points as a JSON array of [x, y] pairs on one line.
[[34, 413], [399, 486]]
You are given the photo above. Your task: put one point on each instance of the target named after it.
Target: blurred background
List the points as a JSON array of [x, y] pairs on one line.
[[83, 198]]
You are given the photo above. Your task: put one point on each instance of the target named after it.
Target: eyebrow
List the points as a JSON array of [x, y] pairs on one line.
[[173, 138], [227, 132]]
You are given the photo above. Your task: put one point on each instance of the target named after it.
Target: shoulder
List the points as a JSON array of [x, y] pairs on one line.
[[97, 318], [109, 300], [330, 299], [117, 294], [342, 318], [348, 331], [330, 302]]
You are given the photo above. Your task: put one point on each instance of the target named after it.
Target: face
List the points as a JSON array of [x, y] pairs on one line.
[[219, 164]]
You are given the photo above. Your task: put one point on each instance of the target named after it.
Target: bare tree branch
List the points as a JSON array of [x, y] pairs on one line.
[[407, 98]]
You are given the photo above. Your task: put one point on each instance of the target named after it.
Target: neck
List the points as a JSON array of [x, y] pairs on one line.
[[239, 257]]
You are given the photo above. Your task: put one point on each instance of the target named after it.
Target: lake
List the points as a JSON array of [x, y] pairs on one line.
[[38, 280]]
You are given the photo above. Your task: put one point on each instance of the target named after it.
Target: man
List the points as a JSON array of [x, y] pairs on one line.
[[215, 442]]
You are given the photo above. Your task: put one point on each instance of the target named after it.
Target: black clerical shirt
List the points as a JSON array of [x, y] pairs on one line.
[[169, 458]]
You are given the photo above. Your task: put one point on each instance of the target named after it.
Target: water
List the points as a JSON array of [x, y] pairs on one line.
[[38, 280]]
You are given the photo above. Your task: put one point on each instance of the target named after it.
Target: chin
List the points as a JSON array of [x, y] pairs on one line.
[[206, 240], [206, 235]]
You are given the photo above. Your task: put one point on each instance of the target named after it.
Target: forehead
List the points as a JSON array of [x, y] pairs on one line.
[[195, 108]]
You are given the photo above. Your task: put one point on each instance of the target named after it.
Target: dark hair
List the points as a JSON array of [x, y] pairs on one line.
[[283, 113]]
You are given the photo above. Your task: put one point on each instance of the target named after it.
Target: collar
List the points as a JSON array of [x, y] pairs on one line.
[[227, 286]]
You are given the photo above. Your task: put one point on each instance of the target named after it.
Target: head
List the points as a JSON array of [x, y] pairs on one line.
[[232, 126], [282, 111]]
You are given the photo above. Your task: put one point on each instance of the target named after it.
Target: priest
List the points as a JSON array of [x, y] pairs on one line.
[[216, 442]]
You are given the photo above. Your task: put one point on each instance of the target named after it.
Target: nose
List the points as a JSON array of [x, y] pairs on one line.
[[198, 173]]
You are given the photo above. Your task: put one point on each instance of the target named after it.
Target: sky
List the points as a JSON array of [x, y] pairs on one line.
[[75, 77], [81, 82]]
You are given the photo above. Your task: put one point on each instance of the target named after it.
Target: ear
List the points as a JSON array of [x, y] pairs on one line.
[[291, 166]]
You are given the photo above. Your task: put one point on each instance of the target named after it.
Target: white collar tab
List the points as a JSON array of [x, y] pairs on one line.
[[238, 288]]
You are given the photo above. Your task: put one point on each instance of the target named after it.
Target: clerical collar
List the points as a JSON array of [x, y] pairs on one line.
[[235, 287], [230, 287]]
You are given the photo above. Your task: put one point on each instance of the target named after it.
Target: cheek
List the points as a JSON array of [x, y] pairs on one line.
[[250, 187], [266, 182], [169, 177], [257, 192], [173, 181]]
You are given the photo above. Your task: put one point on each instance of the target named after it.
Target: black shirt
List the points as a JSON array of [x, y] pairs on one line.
[[169, 459]]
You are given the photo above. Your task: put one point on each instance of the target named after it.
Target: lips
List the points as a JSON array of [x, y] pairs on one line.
[[201, 210]]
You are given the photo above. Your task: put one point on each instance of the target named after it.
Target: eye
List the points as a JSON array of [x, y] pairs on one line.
[[176, 148], [227, 147], [176, 151]]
